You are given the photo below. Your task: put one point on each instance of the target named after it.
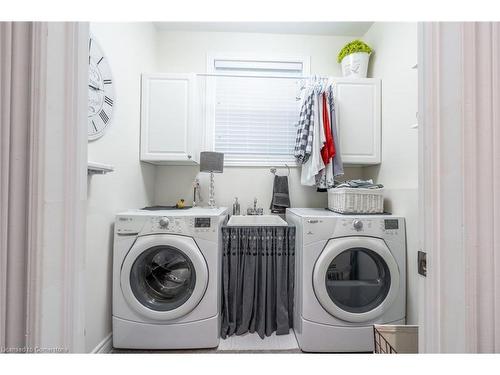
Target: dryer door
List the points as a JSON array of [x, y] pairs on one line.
[[164, 276], [356, 279]]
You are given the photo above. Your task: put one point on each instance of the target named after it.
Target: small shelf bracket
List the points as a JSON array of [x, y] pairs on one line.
[[98, 168]]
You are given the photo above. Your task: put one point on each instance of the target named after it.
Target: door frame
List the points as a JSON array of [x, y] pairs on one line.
[[440, 187], [56, 150], [59, 171], [459, 195]]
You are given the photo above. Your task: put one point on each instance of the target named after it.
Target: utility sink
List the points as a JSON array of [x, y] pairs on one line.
[[256, 221]]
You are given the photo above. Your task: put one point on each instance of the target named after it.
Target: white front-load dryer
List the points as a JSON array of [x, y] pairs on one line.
[[166, 279], [350, 274]]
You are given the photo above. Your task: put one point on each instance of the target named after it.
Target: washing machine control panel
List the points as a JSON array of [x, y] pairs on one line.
[[203, 227], [164, 222], [168, 225], [357, 224], [202, 222]]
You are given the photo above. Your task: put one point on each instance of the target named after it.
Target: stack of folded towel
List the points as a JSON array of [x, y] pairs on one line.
[[364, 184]]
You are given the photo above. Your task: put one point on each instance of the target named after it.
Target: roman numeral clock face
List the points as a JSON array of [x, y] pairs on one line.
[[101, 92]]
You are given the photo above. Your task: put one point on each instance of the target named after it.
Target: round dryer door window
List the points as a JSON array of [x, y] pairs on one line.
[[356, 278], [164, 276]]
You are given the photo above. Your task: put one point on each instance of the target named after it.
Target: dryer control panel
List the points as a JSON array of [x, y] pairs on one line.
[[357, 224], [367, 225], [387, 227]]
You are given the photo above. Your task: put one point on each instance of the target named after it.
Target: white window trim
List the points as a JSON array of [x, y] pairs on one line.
[[212, 57], [209, 128]]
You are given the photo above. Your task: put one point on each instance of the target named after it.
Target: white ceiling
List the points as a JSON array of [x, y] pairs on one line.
[[316, 28]]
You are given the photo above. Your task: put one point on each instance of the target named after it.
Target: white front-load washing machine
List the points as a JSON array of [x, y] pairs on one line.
[[166, 278], [350, 274]]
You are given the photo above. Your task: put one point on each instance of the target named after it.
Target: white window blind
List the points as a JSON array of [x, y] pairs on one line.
[[260, 66], [255, 116]]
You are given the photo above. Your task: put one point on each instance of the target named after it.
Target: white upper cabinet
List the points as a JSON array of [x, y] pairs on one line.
[[359, 120], [169, 133]]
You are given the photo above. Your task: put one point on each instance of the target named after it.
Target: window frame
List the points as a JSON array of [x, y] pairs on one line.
[[209, 133]]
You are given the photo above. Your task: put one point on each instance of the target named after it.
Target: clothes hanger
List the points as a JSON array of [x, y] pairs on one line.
[[301, 88]]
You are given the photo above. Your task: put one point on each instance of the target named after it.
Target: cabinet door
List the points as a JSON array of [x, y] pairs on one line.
[[359, 120], [168, 134]]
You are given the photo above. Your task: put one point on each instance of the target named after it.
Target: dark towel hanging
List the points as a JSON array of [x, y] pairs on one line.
[[281, 198]]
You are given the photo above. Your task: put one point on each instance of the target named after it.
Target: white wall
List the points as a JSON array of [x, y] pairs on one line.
[[130, 49], [395, 46], [181, 51], [187, 52], [246, 183]]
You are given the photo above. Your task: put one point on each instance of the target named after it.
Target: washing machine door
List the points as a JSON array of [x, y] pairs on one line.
[[356, 279], [164, 277]]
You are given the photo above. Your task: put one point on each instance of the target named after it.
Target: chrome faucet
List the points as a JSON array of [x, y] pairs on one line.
[[255, 210]]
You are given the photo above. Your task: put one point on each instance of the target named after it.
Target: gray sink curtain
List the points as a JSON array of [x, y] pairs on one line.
[[258, 267]]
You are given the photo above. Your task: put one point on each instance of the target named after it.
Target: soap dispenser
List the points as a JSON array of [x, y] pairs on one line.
[[236, 207]]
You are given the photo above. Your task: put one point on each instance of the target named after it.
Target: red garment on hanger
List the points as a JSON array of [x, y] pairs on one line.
[[328, 150]]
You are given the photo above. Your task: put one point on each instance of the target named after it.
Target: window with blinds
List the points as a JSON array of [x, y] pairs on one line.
[[256, 111]]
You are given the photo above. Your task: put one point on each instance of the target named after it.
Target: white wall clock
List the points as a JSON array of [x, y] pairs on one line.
[[101, 92]]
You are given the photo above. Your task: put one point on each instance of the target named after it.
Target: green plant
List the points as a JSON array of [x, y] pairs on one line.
[[353, 47]]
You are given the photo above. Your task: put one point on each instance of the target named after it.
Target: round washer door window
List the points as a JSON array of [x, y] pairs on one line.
[[356, 279], [164, 276]]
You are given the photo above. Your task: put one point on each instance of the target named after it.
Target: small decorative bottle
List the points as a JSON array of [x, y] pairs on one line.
[[236, 207]]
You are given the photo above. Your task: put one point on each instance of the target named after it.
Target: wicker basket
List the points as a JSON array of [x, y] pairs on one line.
[[356, 200], [380, 344], [393, 339]]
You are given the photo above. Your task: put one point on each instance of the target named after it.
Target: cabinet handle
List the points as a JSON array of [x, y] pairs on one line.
[[189, 156]]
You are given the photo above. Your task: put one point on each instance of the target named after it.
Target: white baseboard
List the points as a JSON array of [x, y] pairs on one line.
[[105, 346]]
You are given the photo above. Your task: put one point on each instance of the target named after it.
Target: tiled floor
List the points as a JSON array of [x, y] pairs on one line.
[[253, 343], [247, 343]]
